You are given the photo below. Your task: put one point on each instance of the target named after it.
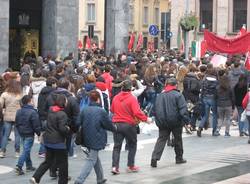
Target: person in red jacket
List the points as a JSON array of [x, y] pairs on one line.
[[246, 106], [108, 78], [126, 114]]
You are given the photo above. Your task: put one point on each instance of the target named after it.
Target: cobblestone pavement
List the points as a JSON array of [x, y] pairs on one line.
[[210, 159]]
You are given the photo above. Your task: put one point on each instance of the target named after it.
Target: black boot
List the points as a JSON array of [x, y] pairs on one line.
[[153, 163], [181, 161], [199, 132]]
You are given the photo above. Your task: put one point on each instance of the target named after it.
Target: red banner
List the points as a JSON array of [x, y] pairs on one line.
[[140, 42], [238, 45], [131, 42], [88, 43]]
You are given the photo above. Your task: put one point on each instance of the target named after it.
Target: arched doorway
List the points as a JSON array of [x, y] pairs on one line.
[[25, 30]]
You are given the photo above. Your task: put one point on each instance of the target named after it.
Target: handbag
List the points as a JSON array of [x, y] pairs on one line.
[[79, 137]]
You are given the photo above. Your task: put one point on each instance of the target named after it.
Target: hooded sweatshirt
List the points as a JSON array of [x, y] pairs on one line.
[[126, 109]]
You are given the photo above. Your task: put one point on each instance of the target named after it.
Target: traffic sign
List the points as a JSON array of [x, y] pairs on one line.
[[153, 30], [169, 34]]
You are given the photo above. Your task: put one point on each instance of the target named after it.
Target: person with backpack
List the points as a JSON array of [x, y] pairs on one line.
[[191, 92], [94, 121], [71, 109], [41, 107], [27, 124], [55, 137], [170, 116]]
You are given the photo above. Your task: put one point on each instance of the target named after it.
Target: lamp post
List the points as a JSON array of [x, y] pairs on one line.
[[186, 34]]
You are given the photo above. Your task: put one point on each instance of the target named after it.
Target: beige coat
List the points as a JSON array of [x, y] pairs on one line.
[[10, 103]]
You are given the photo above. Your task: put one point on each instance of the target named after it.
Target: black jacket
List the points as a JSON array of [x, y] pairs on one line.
[[191, 87], [42, 99], [171, 109], [57, 129], [27, 121], [95, 121], [239, 94], [224, 97], [72, 109], [209, 86]]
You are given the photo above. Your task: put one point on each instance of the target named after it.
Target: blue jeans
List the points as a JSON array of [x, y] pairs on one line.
[[72, 145], [248, 119], [242, 124], [92, 161], [150, 101], [1, 133], [6, 133], [209, 103], [27, 143]]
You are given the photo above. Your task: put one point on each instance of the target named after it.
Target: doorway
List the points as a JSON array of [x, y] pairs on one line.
[[25, 29]]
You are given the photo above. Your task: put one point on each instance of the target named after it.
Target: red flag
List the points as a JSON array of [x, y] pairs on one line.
[[243, 31], [80, 46], [230, 46], [131, 42], [203, 48], [247, 62], [140, 42], [88, 43]]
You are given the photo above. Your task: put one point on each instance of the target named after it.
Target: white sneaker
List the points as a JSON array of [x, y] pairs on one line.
[[17, 154], [2, 154], [33, 181], [74, 156]]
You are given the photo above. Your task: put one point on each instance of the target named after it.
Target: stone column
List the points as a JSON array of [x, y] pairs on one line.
[[60, 27], [4, 34], [116, 26], [222, 17], [230, 16]]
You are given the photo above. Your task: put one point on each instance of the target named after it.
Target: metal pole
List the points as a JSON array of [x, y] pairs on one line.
[[165, 29], [186, 32]]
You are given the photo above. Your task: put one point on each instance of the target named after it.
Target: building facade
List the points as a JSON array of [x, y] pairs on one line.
[[42, 27], [141, 14], [92, 13], [224, 17]]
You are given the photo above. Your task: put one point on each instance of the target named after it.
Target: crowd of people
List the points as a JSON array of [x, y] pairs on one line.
[[61, 99]]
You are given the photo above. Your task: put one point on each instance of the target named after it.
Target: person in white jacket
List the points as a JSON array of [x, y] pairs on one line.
[[138, 87]]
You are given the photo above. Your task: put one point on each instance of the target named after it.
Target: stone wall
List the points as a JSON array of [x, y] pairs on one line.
[[117, 26], [4, 35], [60, 27]]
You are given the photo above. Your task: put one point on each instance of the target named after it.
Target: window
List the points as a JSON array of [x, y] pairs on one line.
[[131, 15], [206, 14], [165, 25], [145, 16], [157, 14], [91, 12], [239, 14]]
